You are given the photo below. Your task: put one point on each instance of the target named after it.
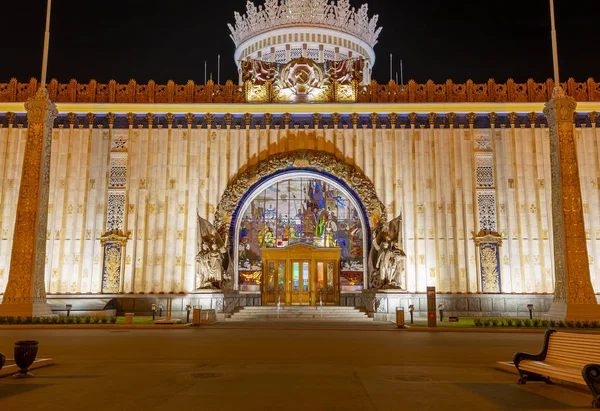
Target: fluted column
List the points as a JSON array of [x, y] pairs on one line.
[[25, 293], [574, 297]]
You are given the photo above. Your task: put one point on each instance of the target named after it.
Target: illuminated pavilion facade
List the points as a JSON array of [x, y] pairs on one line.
[[298, 164]]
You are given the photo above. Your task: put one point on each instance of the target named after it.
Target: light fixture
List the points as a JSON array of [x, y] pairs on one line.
[[530, 307], [441, 309], [188, 308]]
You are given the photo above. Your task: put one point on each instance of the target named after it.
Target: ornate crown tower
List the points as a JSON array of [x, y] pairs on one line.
[[322, 31]]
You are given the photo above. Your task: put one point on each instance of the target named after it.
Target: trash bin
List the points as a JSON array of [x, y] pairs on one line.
[[196, 316], [129, 318], [400, 317]]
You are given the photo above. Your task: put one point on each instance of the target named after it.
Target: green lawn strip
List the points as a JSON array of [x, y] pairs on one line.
[[82, 321], [501, 324], [142, 320]]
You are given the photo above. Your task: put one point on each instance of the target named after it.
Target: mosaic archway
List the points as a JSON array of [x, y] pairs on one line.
[[309, 160], [302, 197]]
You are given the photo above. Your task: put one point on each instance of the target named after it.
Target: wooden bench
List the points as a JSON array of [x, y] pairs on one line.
[[568, 357]]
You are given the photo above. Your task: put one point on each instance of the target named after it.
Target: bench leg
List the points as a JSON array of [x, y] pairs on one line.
[[531, 376], [591, 375]]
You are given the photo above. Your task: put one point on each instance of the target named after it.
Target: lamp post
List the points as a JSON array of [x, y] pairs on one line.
[[160, 308], [411, 310], [188, 308], [69, 307], [441, 309], [153, 312], [530, 308]]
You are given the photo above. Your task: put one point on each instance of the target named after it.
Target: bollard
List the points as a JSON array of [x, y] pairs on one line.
[[129, 318], [196, 318], [400, 318]]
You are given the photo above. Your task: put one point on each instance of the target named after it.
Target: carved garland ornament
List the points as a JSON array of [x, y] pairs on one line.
[[307, 160]]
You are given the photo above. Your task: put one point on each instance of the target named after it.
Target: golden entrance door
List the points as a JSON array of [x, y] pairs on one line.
[[301, 275]]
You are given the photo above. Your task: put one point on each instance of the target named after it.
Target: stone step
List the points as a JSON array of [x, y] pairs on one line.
[[357, 313], [329, 317], [292, 319], [293, 310], [300, 313]]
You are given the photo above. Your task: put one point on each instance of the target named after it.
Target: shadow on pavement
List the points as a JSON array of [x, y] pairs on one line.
[[14, 389], [514, 397]]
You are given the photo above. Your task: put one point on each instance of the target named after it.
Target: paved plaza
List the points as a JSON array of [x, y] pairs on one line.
[[278, 367]]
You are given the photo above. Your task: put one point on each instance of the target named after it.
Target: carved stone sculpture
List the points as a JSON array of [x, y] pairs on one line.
[[386, 260], [214, 262]]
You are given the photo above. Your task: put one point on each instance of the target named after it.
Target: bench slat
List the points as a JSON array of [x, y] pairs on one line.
[[561, 372], [576, 337]]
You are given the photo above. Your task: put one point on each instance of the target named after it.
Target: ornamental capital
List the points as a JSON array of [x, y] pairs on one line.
[[593, 116], [493, 118], [170, 117], [431, 117], [111, 117], [91, 118], [317, 117], [393, 119], [189, 118], [248, 119], [413, 117], [11, 118], [471, 117], [72, 117], [287, 118], [512, 118], [560, 109], [335, 118], [131, 119], [150, 119], [451, 117], [354, 117], [228, 117], [209, 118], [533, 116], [374, 119], [268, 119]]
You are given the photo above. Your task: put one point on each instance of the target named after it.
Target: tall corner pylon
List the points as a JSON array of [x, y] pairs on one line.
[[25, 294], [574, 297]]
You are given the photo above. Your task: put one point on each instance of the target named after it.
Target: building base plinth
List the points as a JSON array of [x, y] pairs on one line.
[[560, 311], [26, 310]]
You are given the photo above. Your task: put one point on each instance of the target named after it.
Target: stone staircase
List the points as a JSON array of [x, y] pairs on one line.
[[299, 313]]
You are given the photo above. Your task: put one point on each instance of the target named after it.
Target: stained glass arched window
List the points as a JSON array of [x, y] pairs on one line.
[[301, 209]]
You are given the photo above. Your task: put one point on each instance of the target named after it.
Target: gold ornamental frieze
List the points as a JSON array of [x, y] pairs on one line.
[[318, 161]]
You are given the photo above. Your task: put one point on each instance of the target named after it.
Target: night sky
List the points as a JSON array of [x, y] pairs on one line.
[[162, 40]]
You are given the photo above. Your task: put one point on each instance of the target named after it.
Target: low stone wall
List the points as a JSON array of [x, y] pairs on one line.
[[383, 305]]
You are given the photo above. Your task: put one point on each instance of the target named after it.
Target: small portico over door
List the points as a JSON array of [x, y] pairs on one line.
[[301, 275]]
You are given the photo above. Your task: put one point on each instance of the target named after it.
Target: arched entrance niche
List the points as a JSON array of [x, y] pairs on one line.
[[268, 207]]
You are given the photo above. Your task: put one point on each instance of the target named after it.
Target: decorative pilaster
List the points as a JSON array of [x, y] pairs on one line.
[[113, 243], [114, 240], [488, 245], [25, 293], [574, 297]]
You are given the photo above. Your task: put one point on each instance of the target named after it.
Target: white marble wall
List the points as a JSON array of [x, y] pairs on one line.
[[175, 172]]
